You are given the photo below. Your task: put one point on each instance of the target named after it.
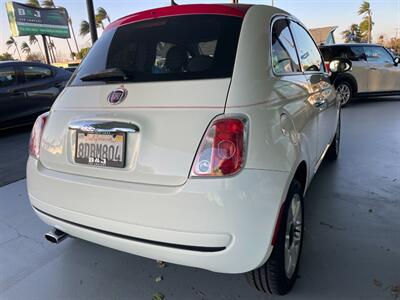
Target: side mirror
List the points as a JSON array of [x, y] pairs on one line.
[[396, 61], [340, 65]]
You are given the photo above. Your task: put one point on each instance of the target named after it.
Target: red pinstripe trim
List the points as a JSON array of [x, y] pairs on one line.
[[168, 107], [127, 107]]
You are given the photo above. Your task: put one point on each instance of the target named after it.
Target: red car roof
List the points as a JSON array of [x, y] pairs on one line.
[[235, 10]]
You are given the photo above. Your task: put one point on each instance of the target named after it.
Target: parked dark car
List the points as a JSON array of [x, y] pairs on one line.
[[27, 89]]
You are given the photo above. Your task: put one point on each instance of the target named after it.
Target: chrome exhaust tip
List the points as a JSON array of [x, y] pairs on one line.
[[55, 236]]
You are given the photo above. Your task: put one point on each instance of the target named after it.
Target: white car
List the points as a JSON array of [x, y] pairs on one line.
[[189, 135]]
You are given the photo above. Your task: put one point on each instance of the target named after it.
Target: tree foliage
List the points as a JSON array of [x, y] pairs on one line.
[[34, 3], [100, 17], [25, 48], [84, 29], [352, 34], [48, 3], [6, 56], [367, 23], [82, 53], [11, 42], [34, 57], [360, 33]]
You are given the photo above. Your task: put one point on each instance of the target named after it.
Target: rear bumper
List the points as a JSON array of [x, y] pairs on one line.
[[223, 225]]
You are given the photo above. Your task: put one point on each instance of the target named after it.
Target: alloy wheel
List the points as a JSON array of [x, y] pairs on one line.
[[293, 235], [344, 92]]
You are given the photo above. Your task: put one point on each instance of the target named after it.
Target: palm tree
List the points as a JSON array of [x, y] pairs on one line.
[[73, 33], [11, 42], [48, 3], [25, 48], [34, 3], [84, 28], [53, 50], [365, 9], [353, 34], [33, 40], [99, 22], [102, 15]]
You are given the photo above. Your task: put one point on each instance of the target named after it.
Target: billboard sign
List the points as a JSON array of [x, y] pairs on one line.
[[29, 20]]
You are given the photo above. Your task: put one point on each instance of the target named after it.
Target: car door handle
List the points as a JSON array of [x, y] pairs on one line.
[[15, 92]]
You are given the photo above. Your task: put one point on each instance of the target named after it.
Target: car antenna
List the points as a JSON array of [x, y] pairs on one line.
[[173, 3]]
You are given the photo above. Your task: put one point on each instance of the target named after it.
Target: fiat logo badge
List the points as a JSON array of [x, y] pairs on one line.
[[117, 96]]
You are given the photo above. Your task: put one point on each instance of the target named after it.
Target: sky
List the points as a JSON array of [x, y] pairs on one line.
[[313, 13]]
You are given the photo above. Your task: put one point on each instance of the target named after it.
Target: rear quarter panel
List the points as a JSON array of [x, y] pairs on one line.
[[263, 97]]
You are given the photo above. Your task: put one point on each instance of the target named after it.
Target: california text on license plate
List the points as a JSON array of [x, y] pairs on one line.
[[100, 149]]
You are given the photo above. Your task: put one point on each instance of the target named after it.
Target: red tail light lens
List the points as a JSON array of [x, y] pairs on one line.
[[222, 150], [36, 135]]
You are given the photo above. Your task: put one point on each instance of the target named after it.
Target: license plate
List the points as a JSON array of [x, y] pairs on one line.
[[100, 149]]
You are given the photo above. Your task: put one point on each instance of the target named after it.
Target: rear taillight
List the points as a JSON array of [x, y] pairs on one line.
[[36, 135], [222, 150]]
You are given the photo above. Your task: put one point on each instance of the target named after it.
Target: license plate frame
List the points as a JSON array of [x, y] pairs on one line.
[[90, 160]]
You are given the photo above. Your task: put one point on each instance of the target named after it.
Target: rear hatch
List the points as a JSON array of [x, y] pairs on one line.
[[148, 90]]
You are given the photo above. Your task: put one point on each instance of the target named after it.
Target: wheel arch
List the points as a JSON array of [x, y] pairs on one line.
[[346, 77], [301, 174]]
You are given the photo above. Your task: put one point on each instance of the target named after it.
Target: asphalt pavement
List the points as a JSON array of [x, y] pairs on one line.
[[13, 154], [351, 248]]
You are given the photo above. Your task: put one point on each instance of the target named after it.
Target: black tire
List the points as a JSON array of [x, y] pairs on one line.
[[272, 277], [334, 148], [347, 90]]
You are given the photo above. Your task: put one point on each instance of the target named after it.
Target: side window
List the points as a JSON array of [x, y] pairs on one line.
[[33, 73], [378, 55], [356, 53], [327, 53], [8, 76], [284, 56], [310, 57]]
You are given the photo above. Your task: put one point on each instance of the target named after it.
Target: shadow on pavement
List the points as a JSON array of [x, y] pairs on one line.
[[13, 153]]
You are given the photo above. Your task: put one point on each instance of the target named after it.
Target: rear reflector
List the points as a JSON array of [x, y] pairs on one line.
[[36, 135], [222, 150]]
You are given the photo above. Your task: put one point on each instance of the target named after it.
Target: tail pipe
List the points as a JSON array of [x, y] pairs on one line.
[[55, 236]]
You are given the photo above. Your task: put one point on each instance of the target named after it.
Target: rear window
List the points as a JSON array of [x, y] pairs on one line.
[[172, 48]]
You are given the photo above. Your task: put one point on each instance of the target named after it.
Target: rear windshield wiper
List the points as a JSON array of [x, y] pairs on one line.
[[113, 74]]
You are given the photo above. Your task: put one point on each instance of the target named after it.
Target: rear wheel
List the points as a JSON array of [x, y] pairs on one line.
[[279, 273], [344, 92]]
